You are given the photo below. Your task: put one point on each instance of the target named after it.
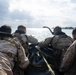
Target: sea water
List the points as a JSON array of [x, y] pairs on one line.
[[42, 33]]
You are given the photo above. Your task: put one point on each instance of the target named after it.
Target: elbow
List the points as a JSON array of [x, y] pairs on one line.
[[25, 64]]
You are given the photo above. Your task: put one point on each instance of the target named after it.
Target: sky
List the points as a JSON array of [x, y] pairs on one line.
[[38, 13]]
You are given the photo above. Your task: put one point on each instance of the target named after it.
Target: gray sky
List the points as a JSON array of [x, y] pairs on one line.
[[38, 13]]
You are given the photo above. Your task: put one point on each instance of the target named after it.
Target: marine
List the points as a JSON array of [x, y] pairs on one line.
[[68, 65], [59, 43], [24, 39], [8, 52]]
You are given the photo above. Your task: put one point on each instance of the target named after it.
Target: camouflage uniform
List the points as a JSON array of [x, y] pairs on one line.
[[68, 65], [8, 52], [58, 48], [25, 40]]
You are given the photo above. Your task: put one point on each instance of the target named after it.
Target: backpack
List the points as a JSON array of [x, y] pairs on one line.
[[60, 43]]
